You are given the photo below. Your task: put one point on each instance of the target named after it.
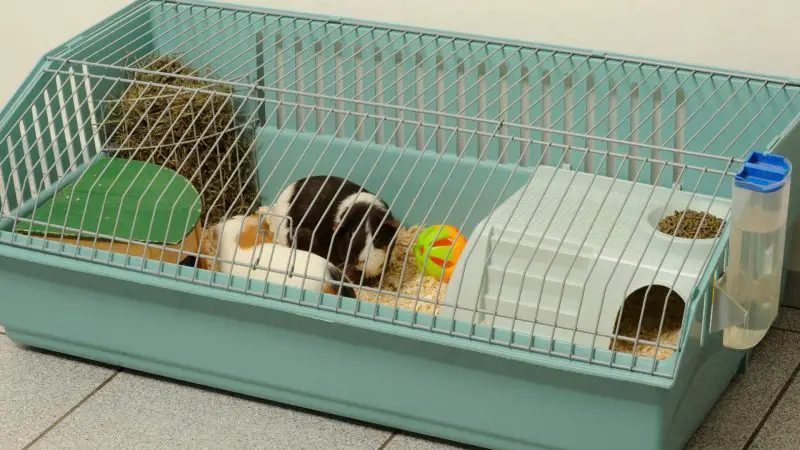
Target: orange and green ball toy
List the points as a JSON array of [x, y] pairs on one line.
[[445, 244]]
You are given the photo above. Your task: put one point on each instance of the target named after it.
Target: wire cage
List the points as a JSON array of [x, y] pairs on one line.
[[593, 193]]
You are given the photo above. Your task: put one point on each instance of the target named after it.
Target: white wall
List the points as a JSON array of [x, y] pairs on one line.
[[739, 34]]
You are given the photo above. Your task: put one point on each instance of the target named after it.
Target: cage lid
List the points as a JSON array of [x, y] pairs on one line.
[[763, 172]]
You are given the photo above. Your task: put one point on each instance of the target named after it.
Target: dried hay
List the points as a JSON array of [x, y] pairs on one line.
[[410, 283], [207, 251], [670, 331], [193, 133], [708, 224]]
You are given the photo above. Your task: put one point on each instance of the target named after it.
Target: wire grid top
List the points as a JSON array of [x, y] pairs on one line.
[[574, 94], [81, 51]]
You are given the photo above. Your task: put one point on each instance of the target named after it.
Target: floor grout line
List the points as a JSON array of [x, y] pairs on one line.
[[388, 440], [772, 407], [71, 410], [788, 330]]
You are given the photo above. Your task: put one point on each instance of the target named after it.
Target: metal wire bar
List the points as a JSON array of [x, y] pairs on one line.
[[753, 119], [449, 128], [544, 113], [264, 154], [404, 218], [335, 164], [337, 53], [553, 258], [611, 111], [580, 248], [628, 241], [174, 150], [494, 207], [131, 33], [641, 258], [250, 177], [44, 182], [184, 38], [72, 166], [738, 112], [427, 214], [419, 63], [455, 100], [347, 211], [683, 264], [14, 165], [116, 180], [749, 100], [495, 41], [42, 96], [456, 116], [469, 213], [145, 45], [216, 170], [210, 48], [652, 191], [407, 121], [530, 260], [527, 109], [260, 40], [260, 80], [51, 209], [772, 122]]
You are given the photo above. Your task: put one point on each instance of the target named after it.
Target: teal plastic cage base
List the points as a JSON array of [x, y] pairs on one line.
[[455, 388], [393, 376]]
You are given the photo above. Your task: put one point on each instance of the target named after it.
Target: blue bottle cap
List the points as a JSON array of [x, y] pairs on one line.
[[763, 172]]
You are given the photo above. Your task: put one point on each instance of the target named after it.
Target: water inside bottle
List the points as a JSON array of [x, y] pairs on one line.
[[754, 278]]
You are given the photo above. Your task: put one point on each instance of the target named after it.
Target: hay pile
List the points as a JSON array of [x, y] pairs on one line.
[[670, 331], [708, 224], [191, 132], [408, 282]]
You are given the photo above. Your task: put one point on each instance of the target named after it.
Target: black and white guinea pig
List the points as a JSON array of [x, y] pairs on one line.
[[348, 222]]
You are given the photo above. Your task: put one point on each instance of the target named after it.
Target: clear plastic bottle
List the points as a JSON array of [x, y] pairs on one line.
[[756, 246]]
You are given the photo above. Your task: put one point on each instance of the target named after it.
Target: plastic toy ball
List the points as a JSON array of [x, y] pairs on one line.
[[445, 244]]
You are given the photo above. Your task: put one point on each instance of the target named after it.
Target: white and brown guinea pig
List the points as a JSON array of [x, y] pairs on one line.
[[349, 222], [247, 240]]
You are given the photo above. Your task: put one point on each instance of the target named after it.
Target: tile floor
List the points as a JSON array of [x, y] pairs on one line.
[[49, 401]]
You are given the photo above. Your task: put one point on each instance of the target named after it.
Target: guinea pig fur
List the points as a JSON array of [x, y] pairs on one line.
[[351, 227], [247, 240]]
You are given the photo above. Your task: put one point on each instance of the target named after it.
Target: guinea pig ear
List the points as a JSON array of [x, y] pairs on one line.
[[393, 223]]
